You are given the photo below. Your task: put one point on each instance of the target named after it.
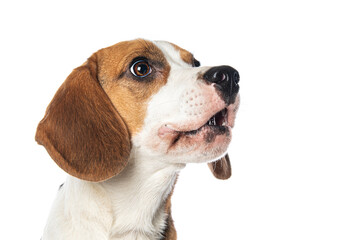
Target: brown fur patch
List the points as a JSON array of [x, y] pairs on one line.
[[185, 55], [128, 94], [87, 130], [169, 232], [82, 130]]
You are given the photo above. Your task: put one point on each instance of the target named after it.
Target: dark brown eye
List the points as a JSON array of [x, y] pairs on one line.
[[140, 68]]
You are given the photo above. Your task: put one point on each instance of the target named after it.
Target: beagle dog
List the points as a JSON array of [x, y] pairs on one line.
[[123, 125]]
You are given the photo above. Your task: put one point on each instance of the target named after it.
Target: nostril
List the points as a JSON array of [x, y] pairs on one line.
[[221, 74], [236, 77], [219, 77]]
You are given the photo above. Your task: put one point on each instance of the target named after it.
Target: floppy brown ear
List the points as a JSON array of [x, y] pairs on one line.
[[82, 131], [221, 168]]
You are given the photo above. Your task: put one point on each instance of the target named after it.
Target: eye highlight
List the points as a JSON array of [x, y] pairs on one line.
[[140, 68]]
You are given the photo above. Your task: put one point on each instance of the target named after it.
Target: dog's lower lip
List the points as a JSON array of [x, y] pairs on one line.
[[213, 127], [218, 120], [201, 134]]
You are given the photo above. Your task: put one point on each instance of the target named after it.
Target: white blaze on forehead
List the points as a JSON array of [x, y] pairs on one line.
[[172, 54]]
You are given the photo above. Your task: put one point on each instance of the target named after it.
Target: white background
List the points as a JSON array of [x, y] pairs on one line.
[[296, 146]]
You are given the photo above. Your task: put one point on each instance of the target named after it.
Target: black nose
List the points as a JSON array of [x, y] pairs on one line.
[[226, 80]]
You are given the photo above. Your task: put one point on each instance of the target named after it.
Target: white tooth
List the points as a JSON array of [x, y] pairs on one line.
[[212, 121]]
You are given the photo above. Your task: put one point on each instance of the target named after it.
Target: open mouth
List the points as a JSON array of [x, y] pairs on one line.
[[216, 125], [219, 120]]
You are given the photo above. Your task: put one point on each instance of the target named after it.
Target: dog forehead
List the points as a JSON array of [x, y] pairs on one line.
[[115, 59], [174, 54]]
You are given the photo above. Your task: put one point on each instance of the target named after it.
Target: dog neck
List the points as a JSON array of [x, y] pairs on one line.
[[135, 201], [139, 195], [131, 205]]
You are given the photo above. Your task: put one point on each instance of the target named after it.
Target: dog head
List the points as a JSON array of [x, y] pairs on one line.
[[149, 96]]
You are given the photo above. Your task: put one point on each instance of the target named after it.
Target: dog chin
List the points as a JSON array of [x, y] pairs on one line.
[[200, 156]]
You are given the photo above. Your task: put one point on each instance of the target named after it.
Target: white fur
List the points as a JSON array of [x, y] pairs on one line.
[[128, 206], [131, 205]]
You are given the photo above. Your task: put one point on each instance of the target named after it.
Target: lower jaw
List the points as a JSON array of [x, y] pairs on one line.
[[199, 150], [206, 136], [214, 128]]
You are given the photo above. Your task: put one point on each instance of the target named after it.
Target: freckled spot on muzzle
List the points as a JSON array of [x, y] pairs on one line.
[[209, 137], [219, 130]]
